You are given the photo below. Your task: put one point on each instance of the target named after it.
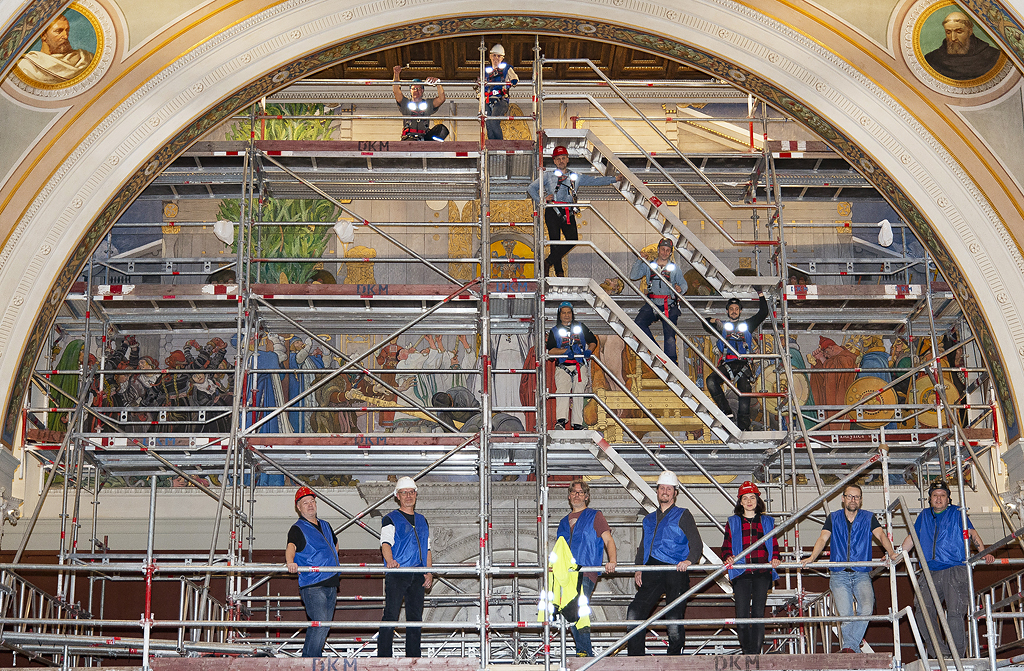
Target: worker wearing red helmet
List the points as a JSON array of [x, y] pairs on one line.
[[560, 186], [312, 542], [747, 525]]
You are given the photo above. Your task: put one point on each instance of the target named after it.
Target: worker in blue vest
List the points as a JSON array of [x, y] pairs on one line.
[[670, 539], [739, 334], [311, 542], [499, 78], [940, 528], [850, 531], [570, 344], [661, 273], [747, 525], [589, 536], [404, 541]]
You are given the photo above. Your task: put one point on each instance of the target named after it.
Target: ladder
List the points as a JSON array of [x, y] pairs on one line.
[[583, 143], [586, 289]]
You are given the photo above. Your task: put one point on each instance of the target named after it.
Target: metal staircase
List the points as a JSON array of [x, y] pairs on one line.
[[585, 289], [626, 476], [585, 144]]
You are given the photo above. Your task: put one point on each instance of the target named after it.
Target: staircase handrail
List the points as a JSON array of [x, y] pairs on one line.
[[671, 220], [629, 325], [676, 294], [707, 181]]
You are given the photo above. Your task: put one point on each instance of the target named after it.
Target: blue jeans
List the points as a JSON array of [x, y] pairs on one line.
[[853, 595], [582, 636], [400, 587], [648, 316], [497, 108], [319, 601]]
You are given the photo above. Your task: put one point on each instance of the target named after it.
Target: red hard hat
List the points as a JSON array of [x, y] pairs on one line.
[[559, 151], [304, 491], [749, 487]]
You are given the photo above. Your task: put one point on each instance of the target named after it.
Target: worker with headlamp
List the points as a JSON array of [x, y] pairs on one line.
[[571, 344], [560, 187], [416, 125], [660, 273], [735, 337]]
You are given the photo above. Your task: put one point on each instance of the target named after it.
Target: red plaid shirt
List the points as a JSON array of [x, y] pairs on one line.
[[752, 531]]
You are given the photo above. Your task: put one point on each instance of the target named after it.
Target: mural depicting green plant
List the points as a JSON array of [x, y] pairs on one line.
[[300, 242], [296, 242], [269, 127]]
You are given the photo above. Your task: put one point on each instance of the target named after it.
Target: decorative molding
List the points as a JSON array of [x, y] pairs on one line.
[[724, 39]]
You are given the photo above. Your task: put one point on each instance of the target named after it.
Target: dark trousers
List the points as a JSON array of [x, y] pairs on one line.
[[751, 593], [497, 108], [741, 371], [319, 602], [559, 225], [648, 316], [670, 583], [399, 587], [951, 584]]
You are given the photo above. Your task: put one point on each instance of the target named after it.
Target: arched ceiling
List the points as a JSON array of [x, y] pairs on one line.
[[100, 148]]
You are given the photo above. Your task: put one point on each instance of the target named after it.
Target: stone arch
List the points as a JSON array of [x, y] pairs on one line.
[[134, 137]]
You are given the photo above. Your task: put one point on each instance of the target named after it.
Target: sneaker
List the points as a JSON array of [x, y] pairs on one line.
[[579, 427], [560, 425]]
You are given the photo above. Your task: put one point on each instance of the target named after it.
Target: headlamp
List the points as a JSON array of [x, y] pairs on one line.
[[488, 69], [729, 326], [412, 106], [502, 65], [423, 105], [577, 330], [563, 333], [654, 265], [573, 176], [670, 267], [742, 327]]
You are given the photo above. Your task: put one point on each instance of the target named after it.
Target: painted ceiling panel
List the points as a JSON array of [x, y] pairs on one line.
[[871, 17], [31, 123], [990, 123], [147, 18]]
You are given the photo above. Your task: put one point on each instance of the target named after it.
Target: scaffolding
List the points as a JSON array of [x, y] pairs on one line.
[[90, 423]]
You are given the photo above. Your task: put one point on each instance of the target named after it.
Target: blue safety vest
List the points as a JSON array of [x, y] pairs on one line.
[[496, 84], [318, 551], [742, 341], [410, 547], [942, 537], [851, 542], [664, 540], [587, 547], [736, 532]]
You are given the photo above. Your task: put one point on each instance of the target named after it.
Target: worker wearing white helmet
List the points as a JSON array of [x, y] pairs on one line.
[[404, 541], [670, 538], [499, 78]]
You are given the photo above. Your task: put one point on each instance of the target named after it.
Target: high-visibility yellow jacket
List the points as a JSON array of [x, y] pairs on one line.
[[563, 578]]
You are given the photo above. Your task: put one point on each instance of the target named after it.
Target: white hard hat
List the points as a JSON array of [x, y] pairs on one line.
[[668, 478], [404, 482], [498, 49]]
